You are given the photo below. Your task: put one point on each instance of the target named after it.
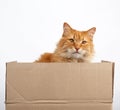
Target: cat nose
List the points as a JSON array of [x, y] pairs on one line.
[[77, 49]]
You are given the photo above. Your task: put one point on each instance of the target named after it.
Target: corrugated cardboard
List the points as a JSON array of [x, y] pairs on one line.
[[59, 86]]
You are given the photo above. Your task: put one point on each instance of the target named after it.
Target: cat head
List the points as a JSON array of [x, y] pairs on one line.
[[76, 44]]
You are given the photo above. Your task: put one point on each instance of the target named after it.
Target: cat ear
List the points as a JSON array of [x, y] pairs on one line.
[[66, 28], [92, 31]]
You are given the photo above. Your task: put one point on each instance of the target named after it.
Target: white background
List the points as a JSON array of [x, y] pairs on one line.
[[29, 28]]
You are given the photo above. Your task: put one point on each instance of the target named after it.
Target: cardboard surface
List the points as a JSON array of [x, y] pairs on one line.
[[49, 85], [78, 106]]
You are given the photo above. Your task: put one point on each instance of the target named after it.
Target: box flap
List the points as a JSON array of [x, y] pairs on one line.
[[59, 82]]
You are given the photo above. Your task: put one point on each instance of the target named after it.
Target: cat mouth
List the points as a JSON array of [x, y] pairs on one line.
[[78, 55], [75, 53]]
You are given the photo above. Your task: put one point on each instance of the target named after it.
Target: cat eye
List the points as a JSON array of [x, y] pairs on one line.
[[71, 40], [84, 42]]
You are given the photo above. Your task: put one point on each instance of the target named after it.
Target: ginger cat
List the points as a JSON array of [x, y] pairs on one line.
[[74, 46]]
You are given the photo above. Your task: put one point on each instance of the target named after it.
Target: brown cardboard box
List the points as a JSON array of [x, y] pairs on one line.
[[59, 86]]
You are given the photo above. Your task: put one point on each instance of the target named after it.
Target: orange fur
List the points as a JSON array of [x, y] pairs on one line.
[[74, 46]]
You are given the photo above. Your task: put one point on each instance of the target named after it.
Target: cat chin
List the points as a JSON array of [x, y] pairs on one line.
[[77, 56], [72, 55], [80, 55]]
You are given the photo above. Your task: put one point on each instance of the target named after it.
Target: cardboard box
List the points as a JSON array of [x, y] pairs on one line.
[[59, 86]]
